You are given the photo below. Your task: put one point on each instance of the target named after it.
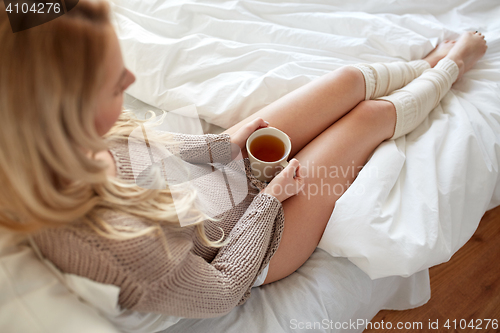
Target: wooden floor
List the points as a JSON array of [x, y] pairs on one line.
[[466, 287]]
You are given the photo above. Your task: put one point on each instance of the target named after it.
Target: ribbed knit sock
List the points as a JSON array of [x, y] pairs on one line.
[[414, 101], [383, 78]]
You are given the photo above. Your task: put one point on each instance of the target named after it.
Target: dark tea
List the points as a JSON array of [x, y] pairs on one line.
[[267, 148]]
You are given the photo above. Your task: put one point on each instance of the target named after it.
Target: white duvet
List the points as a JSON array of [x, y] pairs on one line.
[[419, 198]]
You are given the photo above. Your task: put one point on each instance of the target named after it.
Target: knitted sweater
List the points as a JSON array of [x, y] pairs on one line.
[[195, 281]]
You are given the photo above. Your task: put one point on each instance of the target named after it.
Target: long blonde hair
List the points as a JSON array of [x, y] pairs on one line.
[[49, 79]]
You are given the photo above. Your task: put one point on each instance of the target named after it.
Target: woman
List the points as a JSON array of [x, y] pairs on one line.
[[69, 182]]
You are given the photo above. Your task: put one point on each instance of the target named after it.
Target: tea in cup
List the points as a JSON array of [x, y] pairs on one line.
[[268, 149]]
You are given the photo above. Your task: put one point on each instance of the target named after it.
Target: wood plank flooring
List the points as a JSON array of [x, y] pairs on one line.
[[465, 289]]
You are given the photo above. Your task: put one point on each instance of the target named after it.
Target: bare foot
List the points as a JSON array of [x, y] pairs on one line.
[[439, 52], [469, 48]]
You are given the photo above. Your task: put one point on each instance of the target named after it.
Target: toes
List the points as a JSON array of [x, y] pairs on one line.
[[477, 33]]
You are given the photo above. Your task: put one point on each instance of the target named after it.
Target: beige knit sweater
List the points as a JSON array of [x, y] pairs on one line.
[[197, 281]]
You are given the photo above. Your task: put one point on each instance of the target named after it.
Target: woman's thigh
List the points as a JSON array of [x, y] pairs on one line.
[[309, 110], [332, 160]]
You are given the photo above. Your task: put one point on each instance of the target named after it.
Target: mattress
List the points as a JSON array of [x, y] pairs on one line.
[[430, 189]]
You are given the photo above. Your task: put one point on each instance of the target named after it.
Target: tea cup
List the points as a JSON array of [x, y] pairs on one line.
[[266, 170]]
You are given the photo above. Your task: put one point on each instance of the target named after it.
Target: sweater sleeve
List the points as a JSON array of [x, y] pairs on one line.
[[184, 284], [199, 289], [207, 148]]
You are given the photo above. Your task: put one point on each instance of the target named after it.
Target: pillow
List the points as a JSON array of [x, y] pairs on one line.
[[33, 299]]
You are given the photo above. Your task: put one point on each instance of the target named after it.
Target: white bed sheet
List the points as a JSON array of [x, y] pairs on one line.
[[230, 59], [430, 188], [326, 294]]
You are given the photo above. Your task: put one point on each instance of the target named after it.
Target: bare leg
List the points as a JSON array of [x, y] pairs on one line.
[[347, 145], [320, 102]]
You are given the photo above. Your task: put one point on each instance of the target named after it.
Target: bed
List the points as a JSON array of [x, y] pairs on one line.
[[430, 189], [328, 293]]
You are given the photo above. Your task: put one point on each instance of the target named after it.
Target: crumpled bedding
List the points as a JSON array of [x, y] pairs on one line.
[[419, 198]]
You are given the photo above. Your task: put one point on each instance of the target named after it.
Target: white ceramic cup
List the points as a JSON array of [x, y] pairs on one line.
[[266, 171]]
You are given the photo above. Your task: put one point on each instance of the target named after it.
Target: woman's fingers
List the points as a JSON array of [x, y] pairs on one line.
[[299, 179], [256, 124], [240, 137], [287, 183], [298, 171], [294, 175], [252, 127], [291, 168]]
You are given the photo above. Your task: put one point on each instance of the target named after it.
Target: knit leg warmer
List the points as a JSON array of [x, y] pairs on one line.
[[383, 78], [414, 101]]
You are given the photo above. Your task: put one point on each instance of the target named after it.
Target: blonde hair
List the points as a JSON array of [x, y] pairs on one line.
[[49, 79]]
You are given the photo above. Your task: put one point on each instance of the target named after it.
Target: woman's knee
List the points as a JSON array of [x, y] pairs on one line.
[[353, 74], [375, 110], [352, 80], [380, 114]]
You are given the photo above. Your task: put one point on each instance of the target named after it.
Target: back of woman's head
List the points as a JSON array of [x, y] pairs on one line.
[[49, 78]]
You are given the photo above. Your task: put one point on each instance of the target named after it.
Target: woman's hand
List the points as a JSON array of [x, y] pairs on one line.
[[285, 185], [239, 138]]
